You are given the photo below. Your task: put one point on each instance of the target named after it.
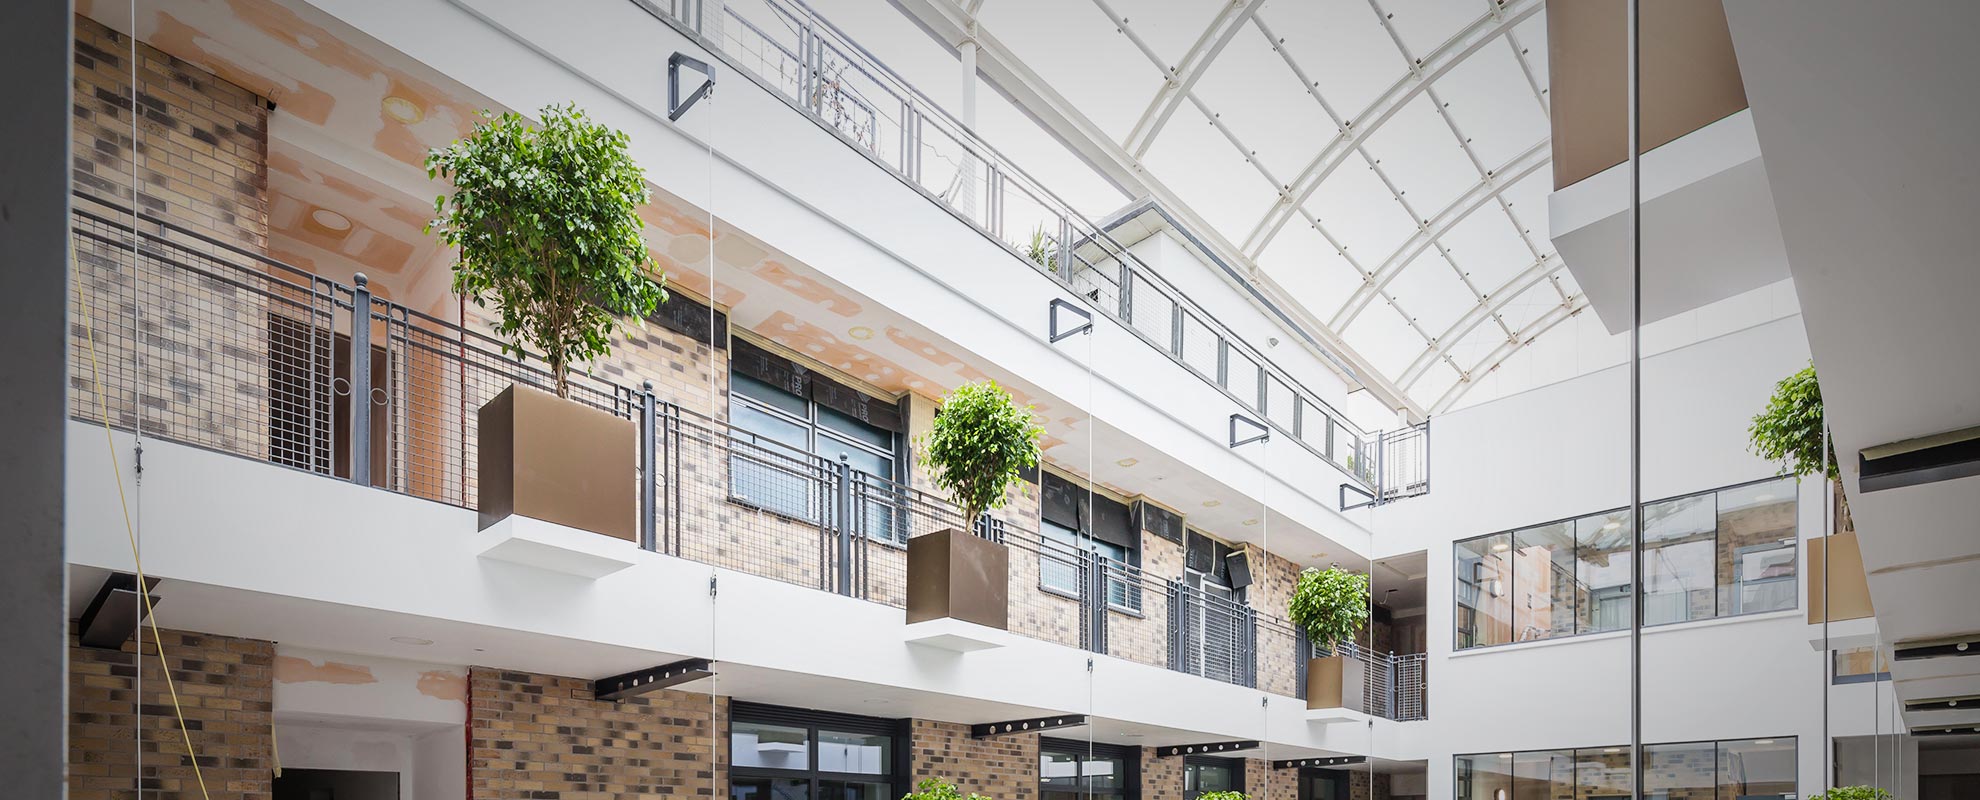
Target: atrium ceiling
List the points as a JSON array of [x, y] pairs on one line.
[[1379, 167]]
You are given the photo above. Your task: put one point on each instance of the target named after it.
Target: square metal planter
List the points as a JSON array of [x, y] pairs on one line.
[[953, 573], [558, 461]]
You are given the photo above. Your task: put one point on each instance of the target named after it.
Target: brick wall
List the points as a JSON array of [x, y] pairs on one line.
[[542, 737], [200, 153], [998, 767], [1161, 778], [226, 690]]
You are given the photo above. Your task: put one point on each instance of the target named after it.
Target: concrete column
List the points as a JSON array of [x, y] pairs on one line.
[[35, 43], [969, 187]]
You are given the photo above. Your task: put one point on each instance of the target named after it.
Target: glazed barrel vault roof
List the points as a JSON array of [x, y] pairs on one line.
[[1384, 165]]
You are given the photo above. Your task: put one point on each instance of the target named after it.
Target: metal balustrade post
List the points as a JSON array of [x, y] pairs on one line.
[[361, 380], [842, 517], [648, 465]]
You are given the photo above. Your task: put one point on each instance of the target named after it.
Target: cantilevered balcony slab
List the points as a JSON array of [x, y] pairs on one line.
[[546, 545], [949, 633], [1337, 715]]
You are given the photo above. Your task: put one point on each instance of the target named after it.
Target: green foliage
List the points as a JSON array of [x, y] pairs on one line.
[[981, 440], [1223, 796], [938, 789], [1038, 249], [1853, 793], [1790, 429], [546, 221], [1330, 604]]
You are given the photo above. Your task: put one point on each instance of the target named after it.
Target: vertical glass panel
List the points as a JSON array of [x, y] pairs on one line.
[[1543, 580], [1679, 771], [1678, 572], [1602, 572], [1280, 402], [1200, 346], [1153, 313], [754, 744], [854, 753], [1487, 776], [1058, 775], [1543, 775], [1860, 665], [833, 789], [1484, 601], [1241, 377], [1756, 552], [1602, 773], [1201, 778], [1757, 769], [757, 788]]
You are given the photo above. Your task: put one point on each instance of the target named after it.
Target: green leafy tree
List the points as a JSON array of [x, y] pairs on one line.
[[547, 226], [1853, 793], [1330, 604], [1790, 429], [938, 789], [979, 444]]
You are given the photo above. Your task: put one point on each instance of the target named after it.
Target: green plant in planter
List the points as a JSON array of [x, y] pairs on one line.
[[938, 789], [1038, 249], [1789, 430], [1330, 604], [981, 441], [546, 221], [1226, 795], [1853, 793]]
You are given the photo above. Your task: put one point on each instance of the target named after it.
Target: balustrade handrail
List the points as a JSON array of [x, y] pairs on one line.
[[1070, 234], [179, 277]]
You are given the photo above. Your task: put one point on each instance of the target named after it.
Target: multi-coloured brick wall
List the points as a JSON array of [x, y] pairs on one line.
[[543, 736], [999, 767], [123, 731], [197, 148]]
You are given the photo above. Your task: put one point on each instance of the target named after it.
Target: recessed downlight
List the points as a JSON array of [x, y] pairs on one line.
[[860, 332], [401, 109], [1212, 503], [330, 220], [412, 640], [1128, 462]]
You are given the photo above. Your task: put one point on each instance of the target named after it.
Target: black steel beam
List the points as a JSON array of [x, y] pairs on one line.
[[114, 613], [651, 679], [1327, 761], [986, 729], [1207, 749], [1927, 460]]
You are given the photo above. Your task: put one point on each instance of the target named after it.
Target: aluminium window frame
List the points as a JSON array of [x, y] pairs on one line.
[[898, 732], [1575, 774], [815, 431], [1129, 755], [1636, 593]]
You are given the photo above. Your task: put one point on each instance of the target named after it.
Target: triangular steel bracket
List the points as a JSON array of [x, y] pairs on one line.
[[1245, 430], [1060, 332], [675, 105]]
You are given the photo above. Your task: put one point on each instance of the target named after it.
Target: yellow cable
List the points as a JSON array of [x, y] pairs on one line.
[[130, 531]]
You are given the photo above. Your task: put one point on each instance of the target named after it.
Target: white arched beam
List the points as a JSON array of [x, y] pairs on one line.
[[1440, 347], [1182, 77], [1554, 316], [1422, 73], [1487, 190]]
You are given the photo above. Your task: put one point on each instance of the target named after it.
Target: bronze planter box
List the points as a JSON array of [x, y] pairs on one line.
[[1336, 682], [953, 573], [557, 460]]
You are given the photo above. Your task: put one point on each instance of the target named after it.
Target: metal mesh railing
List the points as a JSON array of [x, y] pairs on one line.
[[1393, 686], [794, 51], [204, 343]]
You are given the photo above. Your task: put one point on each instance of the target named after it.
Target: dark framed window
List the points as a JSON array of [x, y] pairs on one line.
[[790, 426], [1205, 774], [779, 753], [1750, 769], [1073, 770], [1318, 783], [1720, 553], [1075, 522]]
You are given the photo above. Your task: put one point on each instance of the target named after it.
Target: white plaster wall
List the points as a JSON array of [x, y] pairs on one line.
[[805, 192], [313, 746], [1561, 451]]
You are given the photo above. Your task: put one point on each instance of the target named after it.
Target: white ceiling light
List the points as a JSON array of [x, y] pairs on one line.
[[330, 220], [412, 640]]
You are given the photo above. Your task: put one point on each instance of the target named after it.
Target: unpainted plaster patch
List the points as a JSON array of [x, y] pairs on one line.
[[291, 669], [443, 685]]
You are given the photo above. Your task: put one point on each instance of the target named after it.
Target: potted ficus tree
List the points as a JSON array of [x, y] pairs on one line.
[[1331, 605], [545, 219], [1790, 431], [980, 444]]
